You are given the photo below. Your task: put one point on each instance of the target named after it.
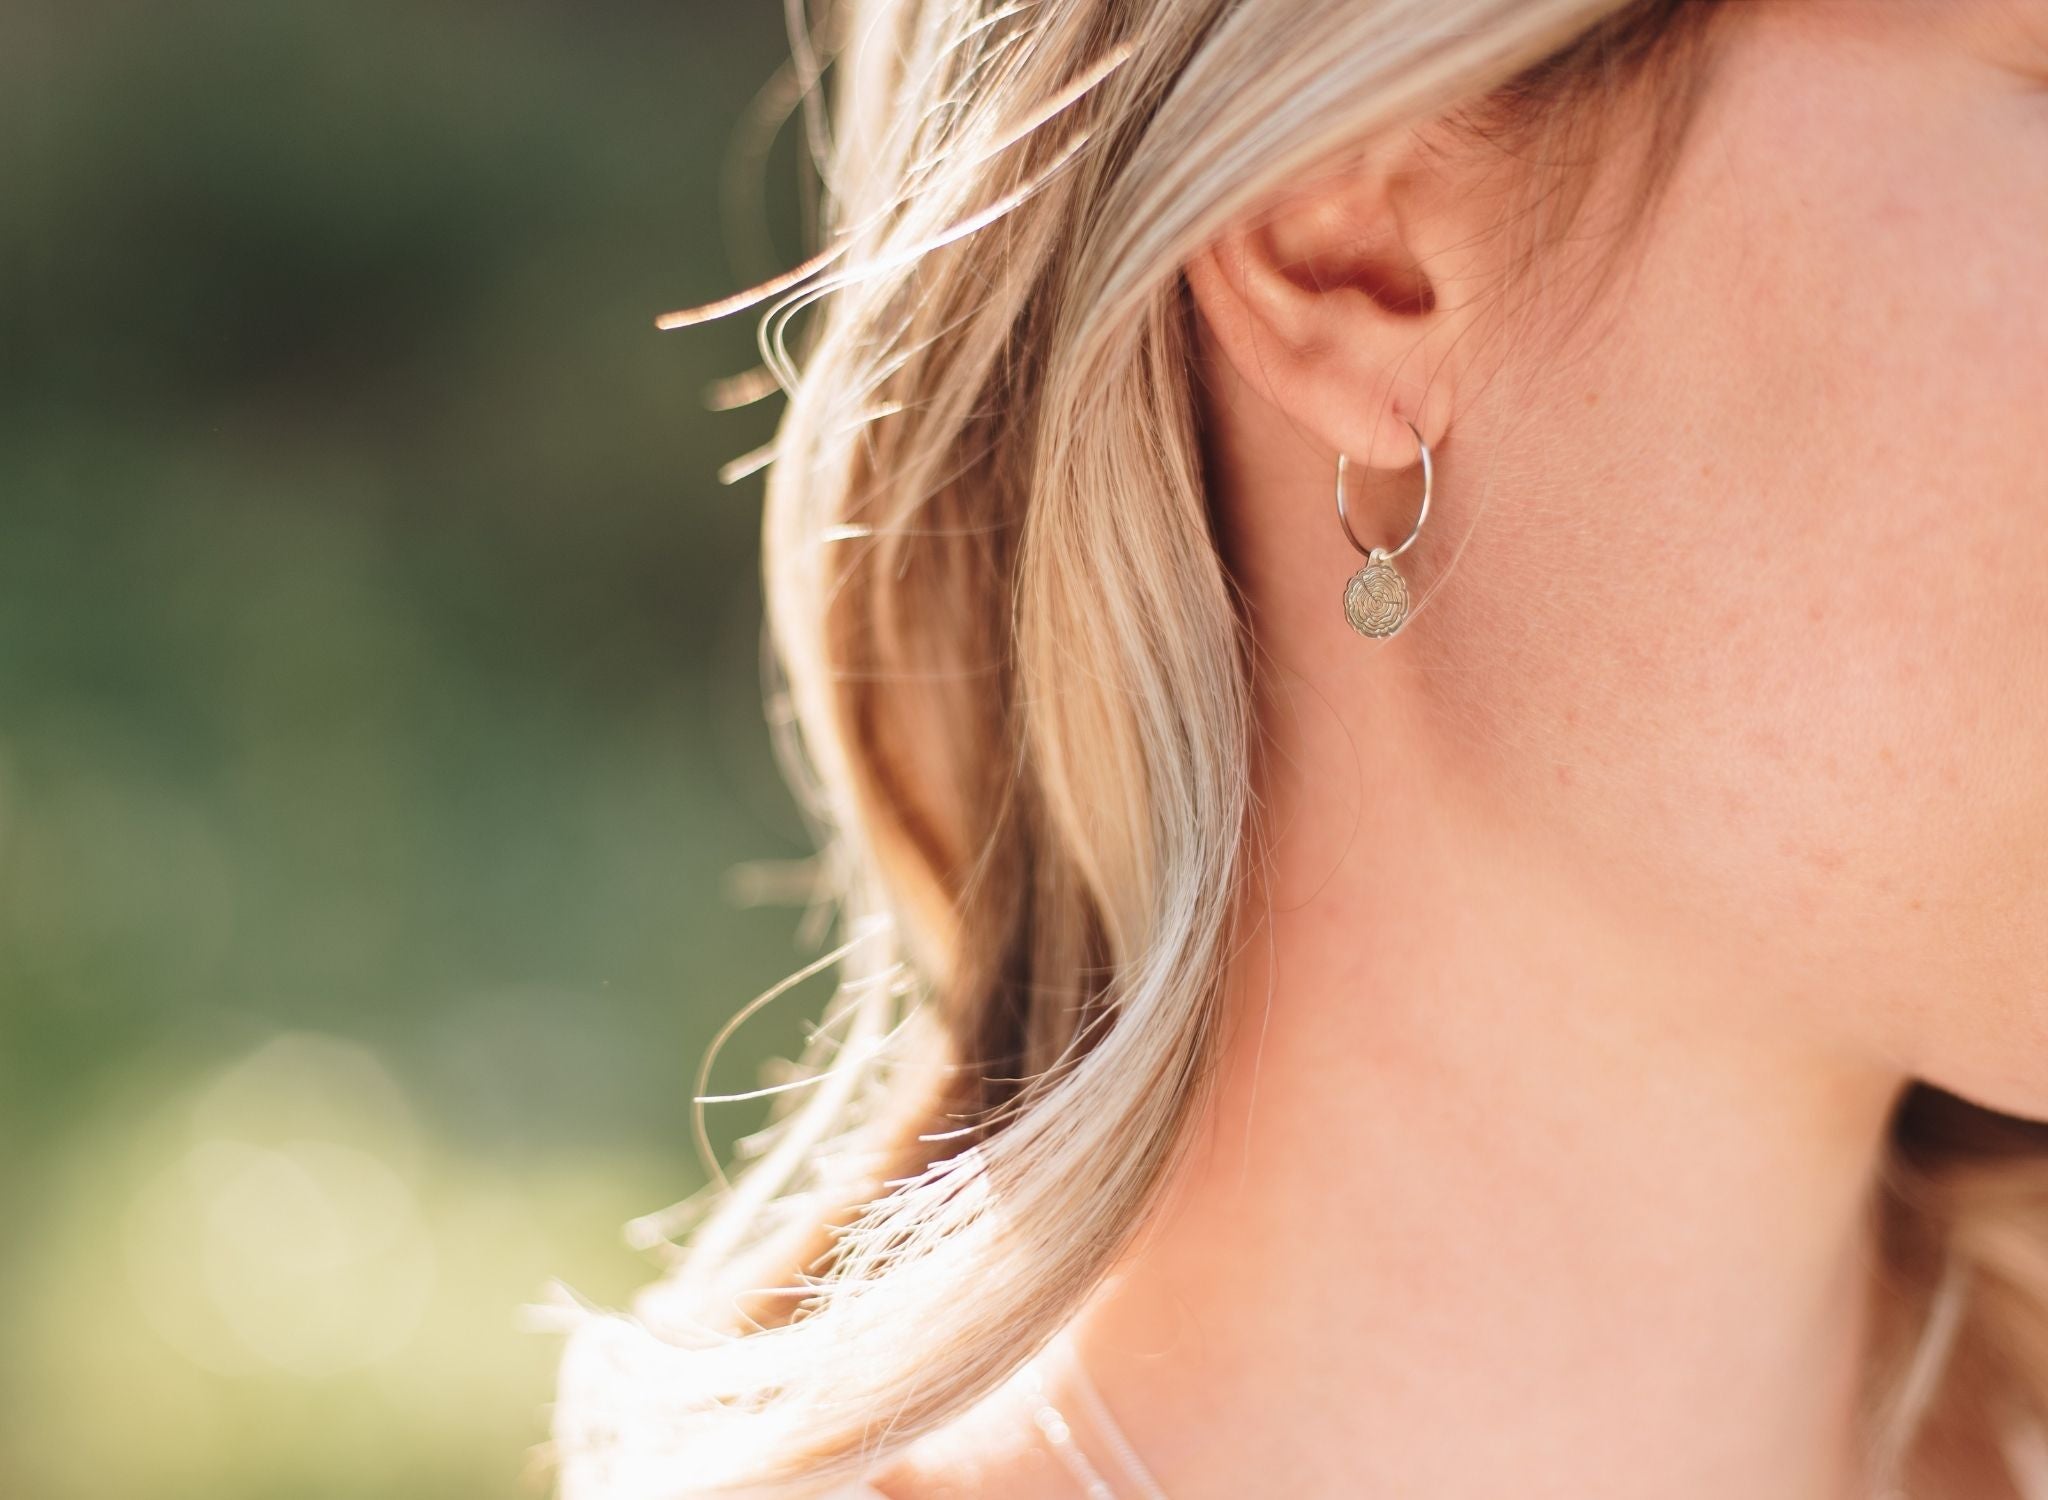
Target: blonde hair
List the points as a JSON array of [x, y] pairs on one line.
[[1016, 692]]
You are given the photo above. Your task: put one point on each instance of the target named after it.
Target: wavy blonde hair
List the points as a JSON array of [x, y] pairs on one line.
[[1016, 689]]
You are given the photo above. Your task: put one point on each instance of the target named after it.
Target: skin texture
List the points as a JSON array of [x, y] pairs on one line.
[[1701, 806]]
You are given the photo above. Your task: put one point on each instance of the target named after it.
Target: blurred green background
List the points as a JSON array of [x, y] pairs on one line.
[[380, 714]]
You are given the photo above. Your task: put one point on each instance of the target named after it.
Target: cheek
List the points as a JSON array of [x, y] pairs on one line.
[[1753, 622]]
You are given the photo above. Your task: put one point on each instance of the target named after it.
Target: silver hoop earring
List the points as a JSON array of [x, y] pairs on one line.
[[1376, 598]]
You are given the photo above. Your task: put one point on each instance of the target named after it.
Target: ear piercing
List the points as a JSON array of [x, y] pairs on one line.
[[1376, 599]]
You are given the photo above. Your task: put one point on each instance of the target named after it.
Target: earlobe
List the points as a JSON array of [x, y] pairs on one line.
[[1323, 306]]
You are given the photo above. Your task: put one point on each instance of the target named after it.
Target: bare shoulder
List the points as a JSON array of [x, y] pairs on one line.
[[991, 1451]]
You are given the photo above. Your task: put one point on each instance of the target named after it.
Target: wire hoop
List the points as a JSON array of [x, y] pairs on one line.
[[1428, 484]]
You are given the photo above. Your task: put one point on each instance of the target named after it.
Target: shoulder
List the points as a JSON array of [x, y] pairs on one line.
[[897, 1477], [989, 1451]]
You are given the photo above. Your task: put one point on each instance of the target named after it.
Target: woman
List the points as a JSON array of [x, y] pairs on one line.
[[1417, 630]]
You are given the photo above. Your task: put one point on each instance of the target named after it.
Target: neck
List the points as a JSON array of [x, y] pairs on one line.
[[1496, 1196]]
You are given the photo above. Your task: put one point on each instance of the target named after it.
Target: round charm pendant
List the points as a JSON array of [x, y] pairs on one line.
[[1376, 598]]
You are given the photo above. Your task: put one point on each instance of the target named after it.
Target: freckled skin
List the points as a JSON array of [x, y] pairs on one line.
[[1787, 560], [1733, 599]]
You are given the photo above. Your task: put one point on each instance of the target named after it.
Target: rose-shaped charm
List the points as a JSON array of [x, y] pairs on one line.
[[1376, 598]]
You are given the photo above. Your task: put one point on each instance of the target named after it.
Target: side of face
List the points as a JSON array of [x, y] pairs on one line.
[[1747, 626]]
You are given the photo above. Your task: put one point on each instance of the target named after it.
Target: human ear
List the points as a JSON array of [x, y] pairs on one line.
[[1340, 301]]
